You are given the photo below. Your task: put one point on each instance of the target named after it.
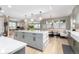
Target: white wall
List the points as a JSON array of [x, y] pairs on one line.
[[1, 25]]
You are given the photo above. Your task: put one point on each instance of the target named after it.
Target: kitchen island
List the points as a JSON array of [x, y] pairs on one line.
[[35, 39], [11, 46]]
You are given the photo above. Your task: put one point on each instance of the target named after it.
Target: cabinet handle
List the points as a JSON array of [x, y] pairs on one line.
[[23, 36], [34, 39]]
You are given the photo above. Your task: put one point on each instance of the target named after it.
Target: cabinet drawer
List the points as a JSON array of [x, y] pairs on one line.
[[37, 35]]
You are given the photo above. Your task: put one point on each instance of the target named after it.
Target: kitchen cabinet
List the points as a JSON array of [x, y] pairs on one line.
[[36, 39], [76, 47]]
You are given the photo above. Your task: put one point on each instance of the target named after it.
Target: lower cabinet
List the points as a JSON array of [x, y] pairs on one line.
[[71, 42], [75, 45]]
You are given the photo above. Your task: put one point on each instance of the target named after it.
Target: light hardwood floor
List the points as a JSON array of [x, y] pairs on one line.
[[56, 45]]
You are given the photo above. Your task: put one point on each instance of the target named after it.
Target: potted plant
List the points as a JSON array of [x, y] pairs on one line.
[[30, 27]]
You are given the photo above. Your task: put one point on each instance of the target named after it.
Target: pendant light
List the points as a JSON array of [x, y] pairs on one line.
[[1, 12], [40, 18], [32, 18]]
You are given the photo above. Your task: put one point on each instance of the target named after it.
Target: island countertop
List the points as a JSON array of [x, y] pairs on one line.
[[34, 31], [9, 45]]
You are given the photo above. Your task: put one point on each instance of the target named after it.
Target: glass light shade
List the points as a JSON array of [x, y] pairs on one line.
[[40, 18], [32, 20], [74, 21], [25, 20]]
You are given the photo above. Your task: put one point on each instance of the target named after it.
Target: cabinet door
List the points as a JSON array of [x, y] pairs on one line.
[[20, 36], [38, 40], [38, 43], [28, 37], [32, 40], [76, 47]]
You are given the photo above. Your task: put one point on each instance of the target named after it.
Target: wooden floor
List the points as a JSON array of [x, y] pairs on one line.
[[56, 45]]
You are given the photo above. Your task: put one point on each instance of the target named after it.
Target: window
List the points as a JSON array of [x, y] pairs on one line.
[[12, 25], [37, 26], [62, 24]]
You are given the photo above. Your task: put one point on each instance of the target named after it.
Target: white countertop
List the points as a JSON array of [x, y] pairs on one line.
[[75, 35], [9, 45], [35, 31]]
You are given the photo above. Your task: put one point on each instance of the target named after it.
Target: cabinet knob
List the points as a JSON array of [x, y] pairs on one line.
[[34, 39]]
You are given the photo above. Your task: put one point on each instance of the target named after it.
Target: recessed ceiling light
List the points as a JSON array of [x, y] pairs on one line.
[[9, 6]]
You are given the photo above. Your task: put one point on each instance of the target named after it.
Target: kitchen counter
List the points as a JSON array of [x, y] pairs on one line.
[[34, 31], [35, 39], [10, 46], [75, 35]]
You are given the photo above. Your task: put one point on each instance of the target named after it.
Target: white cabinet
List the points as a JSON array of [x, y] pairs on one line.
[[35, 39]]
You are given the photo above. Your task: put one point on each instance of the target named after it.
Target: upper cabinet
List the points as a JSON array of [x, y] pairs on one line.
[[75, 18]]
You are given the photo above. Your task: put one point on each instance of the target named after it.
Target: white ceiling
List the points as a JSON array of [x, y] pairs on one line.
[[19, 11]]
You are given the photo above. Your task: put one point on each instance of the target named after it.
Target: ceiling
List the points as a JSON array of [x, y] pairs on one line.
[[33, 11]]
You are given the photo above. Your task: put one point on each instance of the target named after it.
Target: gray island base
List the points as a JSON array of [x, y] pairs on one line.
[[35, 39]]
